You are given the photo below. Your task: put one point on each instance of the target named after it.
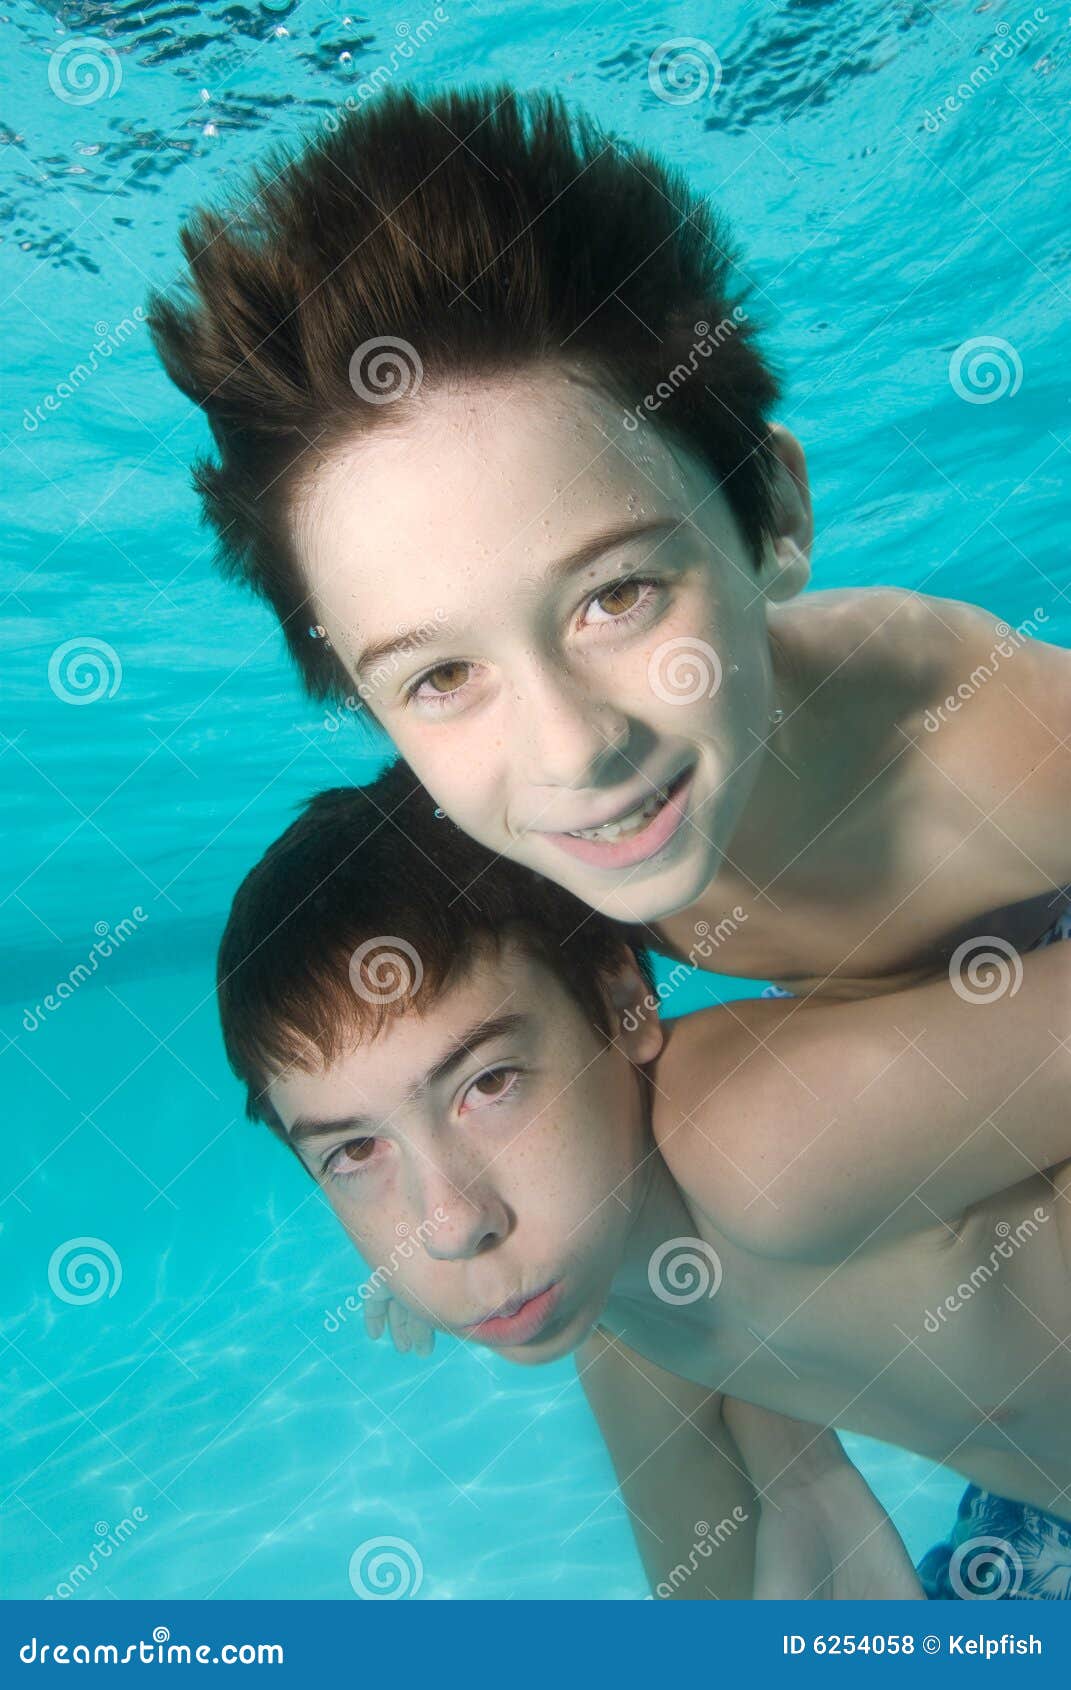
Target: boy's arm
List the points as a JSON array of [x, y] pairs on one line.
[[801, 1127], [823, 1535], [702, 1529]]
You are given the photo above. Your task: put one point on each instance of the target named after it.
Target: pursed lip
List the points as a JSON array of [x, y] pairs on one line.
[[519, 1319], [620, 811], [502, 1311]]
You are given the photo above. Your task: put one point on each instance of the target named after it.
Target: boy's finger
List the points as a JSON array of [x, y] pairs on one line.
[[398, 1319], [423, 1337], [375, 1319]]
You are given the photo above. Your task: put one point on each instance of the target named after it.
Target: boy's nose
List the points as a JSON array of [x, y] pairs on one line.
[[572, 738], [461, 1222]]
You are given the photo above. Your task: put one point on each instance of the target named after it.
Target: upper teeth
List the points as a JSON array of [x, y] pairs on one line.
[[627, 824]]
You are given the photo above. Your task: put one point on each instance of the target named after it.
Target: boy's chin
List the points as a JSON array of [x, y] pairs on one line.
[[536, 1354], [556, 1345], [663, 891]]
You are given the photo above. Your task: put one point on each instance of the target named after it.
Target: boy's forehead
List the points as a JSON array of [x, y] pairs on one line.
[[497, 474], [506, 987]]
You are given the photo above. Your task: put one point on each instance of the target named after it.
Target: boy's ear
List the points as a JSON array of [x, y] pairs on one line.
[[788, 563], [634, 1019]]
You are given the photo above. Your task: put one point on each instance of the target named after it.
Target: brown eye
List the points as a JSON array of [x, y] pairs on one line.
[[491, 1085], [619, 600], [357, 1149], [447, 678]]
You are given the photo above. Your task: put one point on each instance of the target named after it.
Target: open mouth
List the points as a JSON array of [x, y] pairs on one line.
[[636, 836]]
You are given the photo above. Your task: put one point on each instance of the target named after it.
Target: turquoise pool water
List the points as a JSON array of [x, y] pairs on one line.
[[199, 1423]]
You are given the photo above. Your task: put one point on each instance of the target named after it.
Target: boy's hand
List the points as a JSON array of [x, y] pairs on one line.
[[408, 1331]]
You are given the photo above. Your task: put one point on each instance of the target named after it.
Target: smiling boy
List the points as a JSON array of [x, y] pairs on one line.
[[450, 1049], [494, 439]]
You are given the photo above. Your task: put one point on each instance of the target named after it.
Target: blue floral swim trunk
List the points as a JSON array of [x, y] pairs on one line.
[[1000, 1551]]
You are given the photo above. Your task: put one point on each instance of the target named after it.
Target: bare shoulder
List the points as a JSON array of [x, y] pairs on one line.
[[986, 705], [881, 655], [991, 661], [999, 728], [927, 642]]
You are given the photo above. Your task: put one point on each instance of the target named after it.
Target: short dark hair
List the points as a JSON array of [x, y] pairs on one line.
[[488, 232], [379, 870]]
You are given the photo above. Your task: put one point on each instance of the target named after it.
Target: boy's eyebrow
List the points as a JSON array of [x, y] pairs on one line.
[[464, 1044], [591, 550]]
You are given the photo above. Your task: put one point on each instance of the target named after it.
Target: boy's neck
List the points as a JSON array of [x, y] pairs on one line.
[[660, 1214]]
